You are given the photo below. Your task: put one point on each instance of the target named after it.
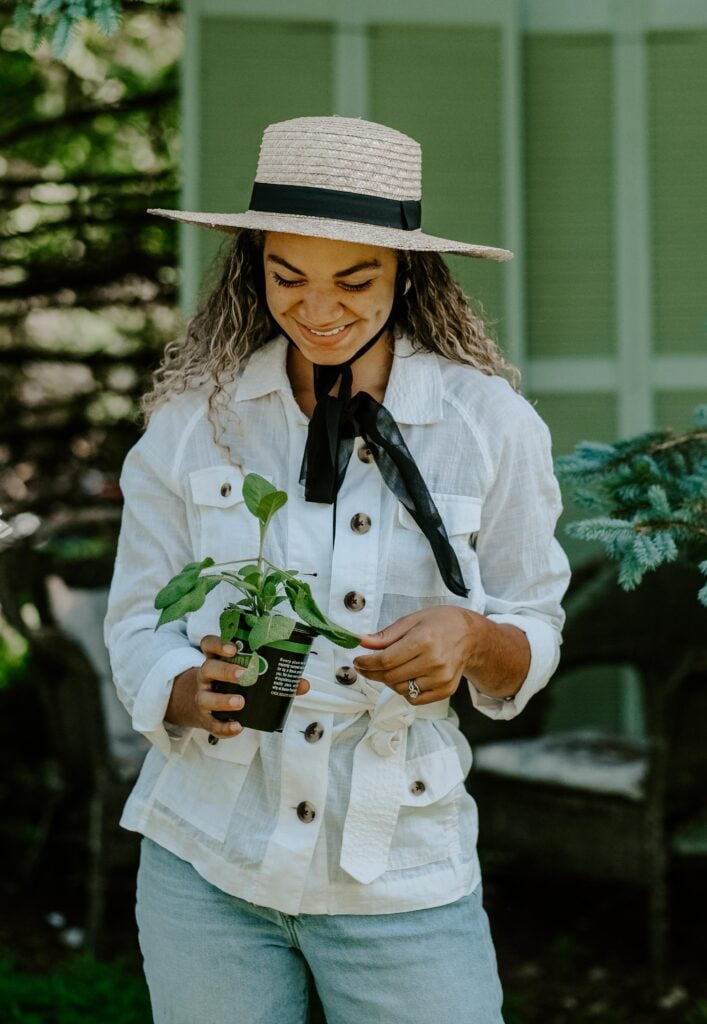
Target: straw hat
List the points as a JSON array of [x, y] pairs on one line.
[[340, 178]]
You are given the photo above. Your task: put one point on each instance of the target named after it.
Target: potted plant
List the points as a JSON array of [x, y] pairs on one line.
[[272, 647]]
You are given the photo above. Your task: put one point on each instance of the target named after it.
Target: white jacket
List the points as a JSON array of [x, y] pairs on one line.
[[378, 841]]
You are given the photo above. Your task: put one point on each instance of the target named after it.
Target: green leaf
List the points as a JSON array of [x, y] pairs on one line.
[[190, 601], [263, 500], [269, 628], [270, 504], [248, 570], [182, 583], [251, 673], [304, 605], [255, 488], [228, 622]]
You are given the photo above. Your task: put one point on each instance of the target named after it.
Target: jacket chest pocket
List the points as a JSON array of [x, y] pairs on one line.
[[226, 530], [412, 569], [429, 810], [202, 785]]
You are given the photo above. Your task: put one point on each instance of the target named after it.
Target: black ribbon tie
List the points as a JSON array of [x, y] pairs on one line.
[[336, 421]]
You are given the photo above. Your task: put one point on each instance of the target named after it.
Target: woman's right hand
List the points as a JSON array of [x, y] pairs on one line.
[[192, 699]]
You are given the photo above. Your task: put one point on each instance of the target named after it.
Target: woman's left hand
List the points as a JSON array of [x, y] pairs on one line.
[[437, 646], [433, 646]]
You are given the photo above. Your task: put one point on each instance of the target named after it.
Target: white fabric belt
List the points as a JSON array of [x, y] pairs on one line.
[[378, 778]]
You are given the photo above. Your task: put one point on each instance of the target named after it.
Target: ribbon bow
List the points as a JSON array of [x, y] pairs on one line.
[[335, 422]]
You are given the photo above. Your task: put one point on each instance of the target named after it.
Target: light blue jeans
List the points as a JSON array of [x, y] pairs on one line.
[[212, 958]]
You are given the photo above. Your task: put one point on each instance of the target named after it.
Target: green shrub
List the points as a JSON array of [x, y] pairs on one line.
[[82, 991]]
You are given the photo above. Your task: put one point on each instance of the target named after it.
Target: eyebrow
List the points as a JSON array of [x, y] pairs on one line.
[[365, 265]]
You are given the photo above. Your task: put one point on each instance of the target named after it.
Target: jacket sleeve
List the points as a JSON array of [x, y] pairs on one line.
[[154, 544], [524, 571]]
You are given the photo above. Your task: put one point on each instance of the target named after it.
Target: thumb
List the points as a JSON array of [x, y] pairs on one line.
[[384, 637]]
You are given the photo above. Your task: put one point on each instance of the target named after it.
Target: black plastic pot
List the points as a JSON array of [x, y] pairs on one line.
[[268, 700]]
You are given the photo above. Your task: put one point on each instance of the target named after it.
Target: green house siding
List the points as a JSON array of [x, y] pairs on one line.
[[423, 79], [677, 63], [568, 178]]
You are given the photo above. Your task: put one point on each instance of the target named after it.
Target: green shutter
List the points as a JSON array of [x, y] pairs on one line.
[[568, 182], [678, 159], [253, 73], [442, 86]]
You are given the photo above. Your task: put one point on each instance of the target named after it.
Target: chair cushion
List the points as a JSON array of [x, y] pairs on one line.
[[583, 759]]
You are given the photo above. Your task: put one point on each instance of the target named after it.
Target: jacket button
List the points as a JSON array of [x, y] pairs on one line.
[[313, 732], [225, 489], [354, 602], [213, 740], [346, 675], [364, 453], [418, 787], [360, 523], [306, 812]]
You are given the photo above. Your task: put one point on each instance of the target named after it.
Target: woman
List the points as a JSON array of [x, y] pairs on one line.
[[338, 358]]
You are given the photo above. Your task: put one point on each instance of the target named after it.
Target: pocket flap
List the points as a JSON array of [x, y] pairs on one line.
[[218, 486], [459, 512], [238, 749], [430, 777]]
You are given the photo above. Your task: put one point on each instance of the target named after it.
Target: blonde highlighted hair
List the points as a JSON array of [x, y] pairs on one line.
[[234, 320]]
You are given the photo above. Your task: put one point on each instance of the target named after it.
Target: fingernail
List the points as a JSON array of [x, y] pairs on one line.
[[236, 702], [229, 649], [236, 727]]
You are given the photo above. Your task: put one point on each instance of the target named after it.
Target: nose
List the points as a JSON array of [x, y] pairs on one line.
[[320, 307]]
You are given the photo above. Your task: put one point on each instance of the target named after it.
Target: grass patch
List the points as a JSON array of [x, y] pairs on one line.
[[82, 991]]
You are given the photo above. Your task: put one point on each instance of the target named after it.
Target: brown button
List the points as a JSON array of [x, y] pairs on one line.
[[364, 453], [418, 787], [313, 732], [306, 812], [360, 523], [354, 602], [346, 675], [225, 489]]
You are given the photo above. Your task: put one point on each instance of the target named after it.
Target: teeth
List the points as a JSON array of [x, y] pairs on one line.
[[327, 334]]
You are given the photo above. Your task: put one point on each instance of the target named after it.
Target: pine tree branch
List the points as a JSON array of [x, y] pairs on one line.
[[656, 525], [672, 442]]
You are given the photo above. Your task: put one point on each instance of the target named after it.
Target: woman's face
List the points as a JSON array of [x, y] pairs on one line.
[[329, 297]]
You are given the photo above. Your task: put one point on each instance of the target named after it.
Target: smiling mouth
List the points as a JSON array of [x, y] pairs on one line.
[[326, 334]]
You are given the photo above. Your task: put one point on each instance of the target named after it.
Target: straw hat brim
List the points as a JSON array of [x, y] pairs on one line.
[[338, 230]]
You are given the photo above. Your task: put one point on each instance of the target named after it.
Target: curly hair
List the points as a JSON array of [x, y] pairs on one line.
[[234, 320]]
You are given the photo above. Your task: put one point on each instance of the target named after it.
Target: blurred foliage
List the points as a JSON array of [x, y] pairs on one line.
[[57, 20], [88, 279], [82, 991], [13, 656]]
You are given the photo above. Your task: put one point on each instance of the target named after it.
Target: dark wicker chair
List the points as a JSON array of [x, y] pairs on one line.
[[603, 805], [58, 607]]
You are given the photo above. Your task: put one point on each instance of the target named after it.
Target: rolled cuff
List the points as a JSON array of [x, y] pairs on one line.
[[544, 644], [153, 697]]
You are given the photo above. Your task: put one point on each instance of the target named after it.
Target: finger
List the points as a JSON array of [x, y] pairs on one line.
[[302, 687], [391, 634], [221, 670], [430, 692], [221, 730], [413, 669], [392, 658], [209, 701], [215, 647]]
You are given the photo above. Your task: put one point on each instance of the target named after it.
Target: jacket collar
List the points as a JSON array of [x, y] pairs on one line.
[[413, 394]]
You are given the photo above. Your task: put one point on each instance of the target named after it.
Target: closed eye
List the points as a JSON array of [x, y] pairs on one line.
[[285, 282]]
